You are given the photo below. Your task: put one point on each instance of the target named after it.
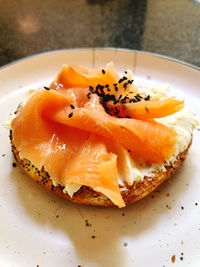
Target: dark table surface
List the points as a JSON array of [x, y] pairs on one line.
[[168, 27]]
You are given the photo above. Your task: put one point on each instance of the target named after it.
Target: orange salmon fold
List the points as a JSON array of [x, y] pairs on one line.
[[68, 154], [145, 110], [66, 130]]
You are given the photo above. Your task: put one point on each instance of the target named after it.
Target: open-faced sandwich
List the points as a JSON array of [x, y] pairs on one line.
[[95, 138]]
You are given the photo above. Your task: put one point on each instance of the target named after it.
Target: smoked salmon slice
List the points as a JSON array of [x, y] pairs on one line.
[[67, 129], [79, 76], [146, 139], [144, 110], [69, 155]]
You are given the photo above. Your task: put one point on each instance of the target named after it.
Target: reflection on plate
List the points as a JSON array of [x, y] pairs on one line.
[[197, 2], [38, 228]]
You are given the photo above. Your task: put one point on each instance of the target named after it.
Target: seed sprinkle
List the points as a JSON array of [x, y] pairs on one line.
[[70, 115], [105, 96]]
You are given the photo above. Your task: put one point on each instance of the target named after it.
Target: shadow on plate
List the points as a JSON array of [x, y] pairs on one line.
[[100, 235]]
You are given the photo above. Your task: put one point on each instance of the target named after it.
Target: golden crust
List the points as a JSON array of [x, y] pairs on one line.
[[87, 196]]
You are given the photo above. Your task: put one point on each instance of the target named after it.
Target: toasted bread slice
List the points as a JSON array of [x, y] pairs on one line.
[[87, 196]]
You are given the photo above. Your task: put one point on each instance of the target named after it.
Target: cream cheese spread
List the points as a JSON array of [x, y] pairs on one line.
[[183, 122]]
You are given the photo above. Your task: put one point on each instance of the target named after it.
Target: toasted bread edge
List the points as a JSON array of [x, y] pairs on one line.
[[86, 195]]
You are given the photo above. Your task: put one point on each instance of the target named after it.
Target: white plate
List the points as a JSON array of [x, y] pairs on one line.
[[37, 228]]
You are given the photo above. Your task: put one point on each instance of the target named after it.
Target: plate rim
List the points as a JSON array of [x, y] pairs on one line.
[[6, 67], [157, 55]]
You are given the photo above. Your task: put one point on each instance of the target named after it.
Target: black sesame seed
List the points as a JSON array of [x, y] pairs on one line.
[[3, 155], [108, 90], [70, 115], [125, 72], [147, 110], [72, 106], [14, 164], [120, 81], [124, 78], [88, 95], [91, 89], [46, 88], [147, 98], [116, 88], [125, 85], [196, 204], [107, 85], [103, 71], [93, 236], [138, 97], [181, 258], [124, 99], [182, 208]]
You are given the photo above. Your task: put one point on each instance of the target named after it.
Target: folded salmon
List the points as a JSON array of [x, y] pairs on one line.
[[144, 110], [66, 130]]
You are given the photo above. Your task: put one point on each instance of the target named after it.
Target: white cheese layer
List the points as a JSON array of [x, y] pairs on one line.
[[7, 124], [71, 189], [183, 122], [27, 96]]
